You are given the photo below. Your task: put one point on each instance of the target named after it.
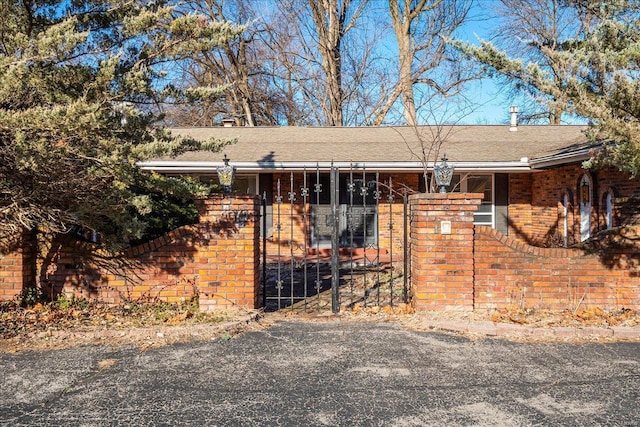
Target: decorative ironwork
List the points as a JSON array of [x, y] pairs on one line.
[[304, 272], [364, 191]]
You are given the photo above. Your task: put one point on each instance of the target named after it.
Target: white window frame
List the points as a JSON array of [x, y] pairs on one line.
[[462, 188]]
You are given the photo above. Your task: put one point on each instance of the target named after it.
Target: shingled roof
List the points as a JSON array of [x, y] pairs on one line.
[[277, 147]]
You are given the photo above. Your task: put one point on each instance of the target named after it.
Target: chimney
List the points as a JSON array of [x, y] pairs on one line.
[[228, 122], [514, 118]]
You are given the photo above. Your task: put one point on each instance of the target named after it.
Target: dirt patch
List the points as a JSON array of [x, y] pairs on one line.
[[143, 325], [588, 317]]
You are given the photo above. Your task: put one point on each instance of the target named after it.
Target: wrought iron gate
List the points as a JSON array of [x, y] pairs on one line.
[[326, 248]]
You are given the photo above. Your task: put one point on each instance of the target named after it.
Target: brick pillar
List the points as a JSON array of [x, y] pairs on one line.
[[17, 268], [11, 269], [229, 252], [442, 250]]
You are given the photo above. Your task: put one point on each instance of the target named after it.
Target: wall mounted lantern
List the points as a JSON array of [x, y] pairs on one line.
[[443, 173], [584, 191], [226, 173]]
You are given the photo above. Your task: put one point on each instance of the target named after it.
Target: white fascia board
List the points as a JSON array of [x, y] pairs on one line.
[[179, 167], [561, 159]]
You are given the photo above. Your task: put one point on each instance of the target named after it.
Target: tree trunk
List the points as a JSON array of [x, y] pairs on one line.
[[329, 20]]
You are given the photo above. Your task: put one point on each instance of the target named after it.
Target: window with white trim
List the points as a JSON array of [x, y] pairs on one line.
[[485, 215]]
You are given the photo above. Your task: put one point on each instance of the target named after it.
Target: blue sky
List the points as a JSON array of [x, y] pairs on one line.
[[493, 106]]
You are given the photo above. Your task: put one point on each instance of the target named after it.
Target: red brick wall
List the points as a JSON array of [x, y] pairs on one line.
[[11, 282], [216, 259], [479, 268], [16, 269], [442, 264], [536, 211], [512, 274], [519, 210]]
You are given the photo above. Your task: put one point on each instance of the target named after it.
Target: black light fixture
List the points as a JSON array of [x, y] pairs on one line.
[[226, 174], [443, 173]]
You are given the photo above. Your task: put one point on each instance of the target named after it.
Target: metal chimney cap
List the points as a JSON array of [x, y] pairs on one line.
[[514, 118]]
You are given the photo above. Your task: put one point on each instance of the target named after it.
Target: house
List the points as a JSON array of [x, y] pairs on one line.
[[498, 244], [534, 186]]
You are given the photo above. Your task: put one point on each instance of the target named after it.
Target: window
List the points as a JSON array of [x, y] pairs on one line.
[[244, 185], [585, 190], [477, 184]]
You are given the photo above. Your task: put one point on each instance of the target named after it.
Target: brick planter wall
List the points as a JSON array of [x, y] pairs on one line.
[[442, 264]]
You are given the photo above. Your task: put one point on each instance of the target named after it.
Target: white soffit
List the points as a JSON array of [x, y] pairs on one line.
[[194, 167]]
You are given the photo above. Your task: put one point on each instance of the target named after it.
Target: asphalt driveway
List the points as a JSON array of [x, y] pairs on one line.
[[326, 374]]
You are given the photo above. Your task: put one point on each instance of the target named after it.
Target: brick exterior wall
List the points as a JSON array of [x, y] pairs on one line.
[[512, 274], [536, 209], [216, 259], [479, 268], [519, 210], [442, 264]]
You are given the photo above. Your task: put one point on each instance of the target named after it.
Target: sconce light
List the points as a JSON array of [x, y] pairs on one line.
[[226, 173], [584, 191], [443, 173]]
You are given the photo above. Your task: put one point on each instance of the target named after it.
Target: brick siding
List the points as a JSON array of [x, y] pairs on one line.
[[294, 234], [536, 210]]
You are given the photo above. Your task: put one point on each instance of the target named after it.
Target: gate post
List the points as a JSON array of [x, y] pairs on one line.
[[335, 241], [442, 250], [228, 254]]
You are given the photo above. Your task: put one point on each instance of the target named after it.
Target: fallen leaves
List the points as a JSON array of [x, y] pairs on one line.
[[41, 320], [593, 316], [401, 308]]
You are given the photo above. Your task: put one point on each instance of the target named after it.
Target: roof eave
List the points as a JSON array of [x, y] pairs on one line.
[[191, 167], [562, 159]]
